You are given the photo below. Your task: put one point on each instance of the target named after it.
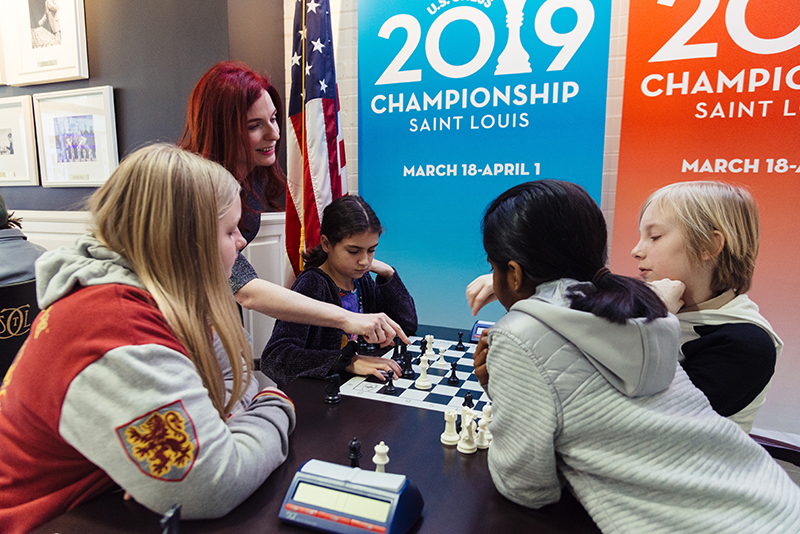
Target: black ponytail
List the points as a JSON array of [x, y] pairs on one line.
[[555, 230], [342, 218]]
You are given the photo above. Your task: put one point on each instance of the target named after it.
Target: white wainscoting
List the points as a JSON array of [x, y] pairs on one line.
[[53, 229]]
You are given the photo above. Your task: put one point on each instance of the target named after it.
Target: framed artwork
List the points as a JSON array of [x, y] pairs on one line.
[[17, 142], [44, 41], [2, 59], [76, 136]]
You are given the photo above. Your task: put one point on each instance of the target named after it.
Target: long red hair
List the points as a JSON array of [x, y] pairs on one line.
[[216, 127]]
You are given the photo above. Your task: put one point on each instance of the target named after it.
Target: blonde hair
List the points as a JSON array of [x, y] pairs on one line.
[[700, 208], [160, 211]]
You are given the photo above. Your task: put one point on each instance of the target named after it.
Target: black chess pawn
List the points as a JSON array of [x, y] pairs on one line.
[[332, 389], [355, 452], [453, 379], [389, 389], [460, 346], [170, 523], [468, 402], [408, 370]]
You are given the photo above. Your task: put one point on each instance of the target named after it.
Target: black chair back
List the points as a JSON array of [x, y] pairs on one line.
[[18, 309]]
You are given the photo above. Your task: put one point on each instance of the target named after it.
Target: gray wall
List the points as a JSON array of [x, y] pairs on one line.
[[153, 52]]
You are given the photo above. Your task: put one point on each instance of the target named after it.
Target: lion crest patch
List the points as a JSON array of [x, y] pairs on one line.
[[163, 443]]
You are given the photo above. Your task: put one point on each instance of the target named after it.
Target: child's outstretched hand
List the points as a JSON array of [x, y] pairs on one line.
[[371, 365], [479, 358], [670, 292], [382, 269], [480, 292]]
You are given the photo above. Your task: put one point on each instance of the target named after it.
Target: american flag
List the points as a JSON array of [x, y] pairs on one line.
[[315, 149]]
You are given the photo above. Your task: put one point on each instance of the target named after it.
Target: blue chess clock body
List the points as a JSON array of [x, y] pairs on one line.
[[336, 498]]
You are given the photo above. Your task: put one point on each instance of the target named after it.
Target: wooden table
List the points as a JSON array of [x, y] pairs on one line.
[[458, 491]]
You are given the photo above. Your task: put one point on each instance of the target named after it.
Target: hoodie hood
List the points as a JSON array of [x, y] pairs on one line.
[[86, 263], [638, 358]]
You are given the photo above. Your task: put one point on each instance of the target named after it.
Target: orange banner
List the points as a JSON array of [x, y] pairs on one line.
[[712, 92]]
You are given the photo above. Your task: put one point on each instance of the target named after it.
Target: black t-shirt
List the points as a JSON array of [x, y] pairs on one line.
[[730, 363]]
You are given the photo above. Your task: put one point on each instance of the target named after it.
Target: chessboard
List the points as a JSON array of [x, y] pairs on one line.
[[442, 396]]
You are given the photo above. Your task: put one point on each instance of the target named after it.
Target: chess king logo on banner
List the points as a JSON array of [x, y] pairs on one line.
[[462, 99]]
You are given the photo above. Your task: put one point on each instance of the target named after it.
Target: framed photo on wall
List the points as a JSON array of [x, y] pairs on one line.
[[2, 59], [44, 41], [17, 142], [76, 136]]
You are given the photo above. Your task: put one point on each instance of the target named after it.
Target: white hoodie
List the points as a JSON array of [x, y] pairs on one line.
[[579, 398]]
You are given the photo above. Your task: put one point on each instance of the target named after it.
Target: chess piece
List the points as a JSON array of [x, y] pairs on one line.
[[481, 440], [453, 379], [332, 389], [460, 346], [396, 349], [170, 523], [514, 58], [408, 370], [355, 452], [381, 457], [468, 400], [441, 363], [423, 382], [450, 435], [429, 352], [487, 416], [466, 442], [389, 389]]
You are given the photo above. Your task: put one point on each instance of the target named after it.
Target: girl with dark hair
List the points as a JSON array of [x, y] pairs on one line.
[[337, 272], [583, 376], [234, 117]]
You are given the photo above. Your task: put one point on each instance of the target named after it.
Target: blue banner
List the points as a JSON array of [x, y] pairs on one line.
[[460, 100]]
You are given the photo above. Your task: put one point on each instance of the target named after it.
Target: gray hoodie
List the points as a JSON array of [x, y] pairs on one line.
[[129, 370], [605, 409]]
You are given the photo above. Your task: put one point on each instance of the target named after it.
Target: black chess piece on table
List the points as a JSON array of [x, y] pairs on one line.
[[389, 389], [408, 370], [332, 389], [468, 402], [453, 379], [355, 452], [460, 346], [170, 523]]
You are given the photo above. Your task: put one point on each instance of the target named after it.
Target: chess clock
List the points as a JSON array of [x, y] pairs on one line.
[[336, 498], [477, 329]]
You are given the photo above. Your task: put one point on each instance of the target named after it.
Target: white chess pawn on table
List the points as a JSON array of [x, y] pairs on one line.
[[441, 363], [423, 382], [381, 457], [487, 416], [450, 436], [480, 440]]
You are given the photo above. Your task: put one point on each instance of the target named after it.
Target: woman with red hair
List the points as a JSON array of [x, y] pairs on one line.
[[234, 118]]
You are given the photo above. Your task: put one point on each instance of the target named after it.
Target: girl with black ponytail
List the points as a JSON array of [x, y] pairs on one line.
[[583, 376]]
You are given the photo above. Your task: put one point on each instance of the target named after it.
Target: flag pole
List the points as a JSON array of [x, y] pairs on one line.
[[303, 144]]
